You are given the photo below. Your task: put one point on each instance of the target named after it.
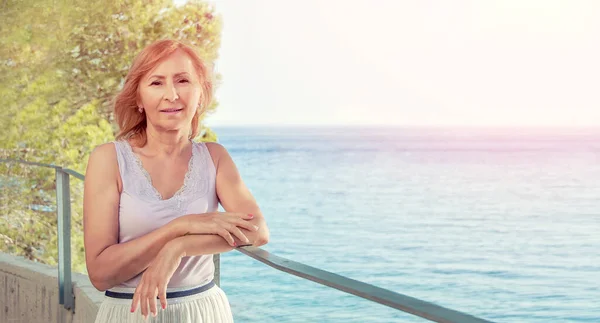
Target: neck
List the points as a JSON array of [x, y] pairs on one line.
[[166, 143]]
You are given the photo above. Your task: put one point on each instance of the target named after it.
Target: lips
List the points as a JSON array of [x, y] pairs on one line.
[[171, 110]]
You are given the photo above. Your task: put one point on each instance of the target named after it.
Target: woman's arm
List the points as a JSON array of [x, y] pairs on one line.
[[155, 279], [233, 194], [108, 262], [200, 244]]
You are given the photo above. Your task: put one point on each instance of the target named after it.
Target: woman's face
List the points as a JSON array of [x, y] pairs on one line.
[[170, 93]]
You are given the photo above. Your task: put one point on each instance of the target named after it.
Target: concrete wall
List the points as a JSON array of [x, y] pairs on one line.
[[29, 294]]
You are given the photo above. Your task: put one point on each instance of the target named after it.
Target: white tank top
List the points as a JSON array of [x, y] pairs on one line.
[[142, 209]]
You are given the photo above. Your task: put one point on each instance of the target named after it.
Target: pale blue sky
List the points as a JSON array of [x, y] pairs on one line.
[[505, 62]]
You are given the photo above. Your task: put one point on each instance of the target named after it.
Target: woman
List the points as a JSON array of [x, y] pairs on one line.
[[151, 197]]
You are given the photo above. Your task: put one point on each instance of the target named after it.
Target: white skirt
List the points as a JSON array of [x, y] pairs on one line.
[[210, 306]]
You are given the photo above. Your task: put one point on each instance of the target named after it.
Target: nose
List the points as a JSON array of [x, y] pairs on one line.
[[171, 93]]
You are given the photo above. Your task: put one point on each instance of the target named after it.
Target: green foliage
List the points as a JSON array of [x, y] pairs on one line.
[[61, 63]]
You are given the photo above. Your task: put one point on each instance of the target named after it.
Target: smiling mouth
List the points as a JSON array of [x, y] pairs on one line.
[[171, 110]]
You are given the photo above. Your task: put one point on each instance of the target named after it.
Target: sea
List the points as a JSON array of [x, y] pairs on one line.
[[499, 223]]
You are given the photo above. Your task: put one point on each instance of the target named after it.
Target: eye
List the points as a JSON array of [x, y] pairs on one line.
[[184, 81], [155, 83]]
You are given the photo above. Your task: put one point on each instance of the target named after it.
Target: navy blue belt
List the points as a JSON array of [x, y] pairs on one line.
[[182, 293]]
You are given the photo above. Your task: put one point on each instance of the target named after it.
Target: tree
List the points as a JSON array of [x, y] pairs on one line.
[[61, 65]]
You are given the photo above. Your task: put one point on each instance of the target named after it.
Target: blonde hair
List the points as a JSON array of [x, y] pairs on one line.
[[132, 124]]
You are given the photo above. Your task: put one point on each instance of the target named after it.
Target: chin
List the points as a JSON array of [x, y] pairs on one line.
[[173, 125]]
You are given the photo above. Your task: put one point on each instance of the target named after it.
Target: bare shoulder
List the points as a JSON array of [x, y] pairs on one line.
[[102, 164], [104, 151], [104, 155], [215, 147], [216, 151]]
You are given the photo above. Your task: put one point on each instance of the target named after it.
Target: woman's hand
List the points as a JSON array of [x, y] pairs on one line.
[[225, 224], [155, 279]]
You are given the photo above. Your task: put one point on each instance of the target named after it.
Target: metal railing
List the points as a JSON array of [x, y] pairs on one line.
[[63, 204], [376, 294]]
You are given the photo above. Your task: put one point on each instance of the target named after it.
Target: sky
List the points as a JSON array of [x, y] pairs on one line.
[[414, 63]]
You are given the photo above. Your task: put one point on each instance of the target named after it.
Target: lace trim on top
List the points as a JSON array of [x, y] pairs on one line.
[[193, 186]]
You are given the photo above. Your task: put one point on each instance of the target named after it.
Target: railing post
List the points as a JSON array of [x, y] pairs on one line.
[[63, 202], [217, 262]]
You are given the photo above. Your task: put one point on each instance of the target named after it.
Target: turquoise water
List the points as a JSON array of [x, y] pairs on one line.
[[503, 225]]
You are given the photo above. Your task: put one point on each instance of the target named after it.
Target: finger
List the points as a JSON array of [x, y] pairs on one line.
[[162, 294], [244, 216], [144, 302], [246, 225], [227, 236], [152, 301], [136, 297], [239, 234]]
